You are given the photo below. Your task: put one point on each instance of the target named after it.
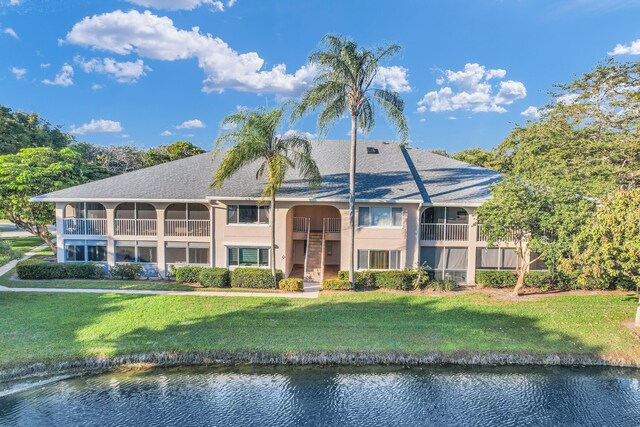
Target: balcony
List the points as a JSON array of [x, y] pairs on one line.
[[85, 227], [331, 225], [483, 235], [187, 227], [444, 232], [135, 227], [301, 225]]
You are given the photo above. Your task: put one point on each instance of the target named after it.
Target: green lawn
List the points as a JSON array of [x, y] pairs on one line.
[[25, 244], [52, 327]]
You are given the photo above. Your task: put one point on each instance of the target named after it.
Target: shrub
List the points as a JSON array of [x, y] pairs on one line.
[[84, 270], [7, 253], [496, 279], [404, 280], [441, 285], [291, 284], [188, 274], [336, 285], [35, 269], [256, 278], [125, 271], [549, 280], [214, 277]]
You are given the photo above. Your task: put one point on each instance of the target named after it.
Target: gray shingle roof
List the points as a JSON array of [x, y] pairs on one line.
[[394, 175]]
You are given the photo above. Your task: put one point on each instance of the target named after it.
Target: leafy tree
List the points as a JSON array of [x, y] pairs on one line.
[[479, 157], [537, 219], [607, 249], [167, 153], [345, 84], [588, 137], [31, 172], [20, 130], [255, 138], [441, 152], [117, 159], [91, 170]]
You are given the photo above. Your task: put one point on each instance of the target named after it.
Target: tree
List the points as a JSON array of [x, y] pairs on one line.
[[255, 138], [607, 249], [537, 219], [345, 84], [31, 172], [20, 130], [118, 159], [167, 153], [479, 157], [588, 136]]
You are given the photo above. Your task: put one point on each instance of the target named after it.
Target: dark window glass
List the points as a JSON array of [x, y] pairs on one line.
[[125, 211], [198, 255], [397, 216], [264, 257], [248, 214], [96, 253], [125, 253], [176, 255], [233, 256], [198, 211], [232, 214], [364, 217], [74, 252], [263, 214], [147, 254]]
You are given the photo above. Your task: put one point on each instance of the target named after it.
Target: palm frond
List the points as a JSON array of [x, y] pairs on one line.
[[393, 106]]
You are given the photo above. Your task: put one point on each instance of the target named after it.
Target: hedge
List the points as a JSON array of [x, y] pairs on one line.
[[125, 271], [336, 285], [534, 279], [188, 274], [214, 277], [291, 284], [389, 279], [441, 285], [34, 269], [256, 278]]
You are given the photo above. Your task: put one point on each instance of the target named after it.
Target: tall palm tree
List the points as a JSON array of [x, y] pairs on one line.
[[254, 138], [345, 84]]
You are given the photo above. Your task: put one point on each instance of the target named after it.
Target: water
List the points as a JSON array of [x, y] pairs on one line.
[[287, 396]]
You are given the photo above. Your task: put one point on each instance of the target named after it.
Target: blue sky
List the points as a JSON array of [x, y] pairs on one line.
[[131, 71]]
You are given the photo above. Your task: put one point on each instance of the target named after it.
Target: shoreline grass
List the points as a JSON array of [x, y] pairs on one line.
[[49, 330]]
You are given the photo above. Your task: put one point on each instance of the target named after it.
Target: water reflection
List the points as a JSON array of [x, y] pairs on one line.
[[334, 396]]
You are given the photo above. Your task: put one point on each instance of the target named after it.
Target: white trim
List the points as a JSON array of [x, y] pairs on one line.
[[311, 199], [245, 246], [109, 200]]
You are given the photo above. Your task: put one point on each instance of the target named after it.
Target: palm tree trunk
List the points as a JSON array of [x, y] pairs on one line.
[[352, 198], [272, 220]]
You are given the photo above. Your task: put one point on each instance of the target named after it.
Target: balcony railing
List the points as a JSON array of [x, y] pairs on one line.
[[300, 225], [135, 227], [85, 227], [187, 227], [457, 232], [331, 225], [483, 235]]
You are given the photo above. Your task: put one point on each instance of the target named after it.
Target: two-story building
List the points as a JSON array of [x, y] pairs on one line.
[[412, 207]]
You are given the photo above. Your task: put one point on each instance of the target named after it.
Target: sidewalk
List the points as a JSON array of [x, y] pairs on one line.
[[8, 266]]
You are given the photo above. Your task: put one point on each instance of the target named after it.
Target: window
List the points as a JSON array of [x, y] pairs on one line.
[[445, 216], [247, 214], [247, 257], [85, 210], [379, 217], [378, 260], [85, 250], [329, 247], [538, 265], [445, 263], [140, 251], [187, 253], [496, 259]]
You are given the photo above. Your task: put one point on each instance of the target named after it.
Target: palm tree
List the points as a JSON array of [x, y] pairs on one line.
[[255, 140], [345, 84]]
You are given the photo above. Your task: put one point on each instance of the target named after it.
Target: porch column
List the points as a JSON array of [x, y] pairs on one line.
[[471, 251], [60, 231], [160, 241], [111, 247]]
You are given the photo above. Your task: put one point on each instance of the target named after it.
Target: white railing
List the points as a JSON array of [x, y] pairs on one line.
[[187, 227], [307, 227], [331, 225], [135, 227], [483, 236], [457, 232], [301, 225], [85, 227]]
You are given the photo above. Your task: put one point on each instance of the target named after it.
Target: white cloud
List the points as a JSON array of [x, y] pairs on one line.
[[308, 135], [10, 31], [531, 111], [97, 126], [452, 118], [63, 78], [393, 78], [567, 99], [627, 49], [14, 2], [473, 92], [422, 120], [166, 133], [155, 37], [18, 72], [123, 72], [96, 86], [215, 5], [45, 66], [191, 124]]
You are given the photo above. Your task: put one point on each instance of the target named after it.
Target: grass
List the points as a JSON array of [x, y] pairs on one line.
[[40, 327], [24, 244]]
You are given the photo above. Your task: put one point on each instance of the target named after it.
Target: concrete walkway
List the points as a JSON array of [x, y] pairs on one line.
[[8, 266]]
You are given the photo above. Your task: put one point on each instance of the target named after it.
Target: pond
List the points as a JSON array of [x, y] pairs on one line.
[[331, 396]]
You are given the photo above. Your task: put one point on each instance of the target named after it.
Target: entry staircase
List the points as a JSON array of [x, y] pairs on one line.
[[314, 256]]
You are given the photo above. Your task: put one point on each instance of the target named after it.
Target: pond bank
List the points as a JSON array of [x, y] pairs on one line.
[[172, 359]]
